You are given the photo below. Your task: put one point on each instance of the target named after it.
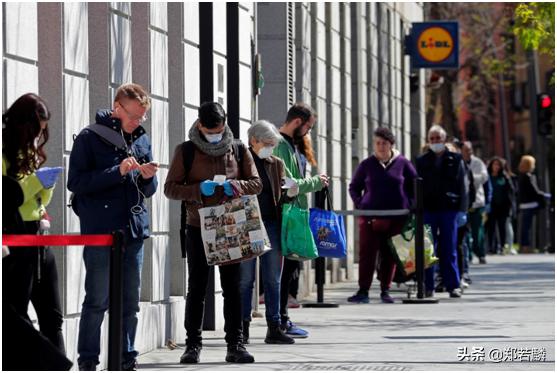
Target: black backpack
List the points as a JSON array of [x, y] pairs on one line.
[[188, 154]]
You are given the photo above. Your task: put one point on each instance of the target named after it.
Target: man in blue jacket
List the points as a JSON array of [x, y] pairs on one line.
[[445, 202], [110, 180]]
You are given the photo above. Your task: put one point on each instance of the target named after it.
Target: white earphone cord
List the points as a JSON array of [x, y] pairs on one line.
[[137, 208]]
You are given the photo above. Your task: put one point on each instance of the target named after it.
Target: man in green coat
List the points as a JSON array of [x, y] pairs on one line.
[[295, 152]]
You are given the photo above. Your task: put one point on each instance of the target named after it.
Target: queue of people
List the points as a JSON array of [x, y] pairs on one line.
[[112, 173]]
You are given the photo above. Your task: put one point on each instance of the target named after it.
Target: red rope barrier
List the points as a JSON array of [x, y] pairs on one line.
[[57, 240]]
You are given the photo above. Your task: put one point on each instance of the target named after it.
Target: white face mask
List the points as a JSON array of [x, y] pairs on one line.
[[265, 152], [37, 139], [215, 138], [437, 148]]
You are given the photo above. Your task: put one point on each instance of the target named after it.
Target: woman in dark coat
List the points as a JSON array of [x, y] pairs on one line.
[[530, 199], [501, 204]]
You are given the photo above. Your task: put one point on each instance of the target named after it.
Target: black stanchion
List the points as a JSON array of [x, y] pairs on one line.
[[115, 303], [419, 249], [320, 270]]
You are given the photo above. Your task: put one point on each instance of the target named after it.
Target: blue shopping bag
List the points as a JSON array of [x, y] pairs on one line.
[[328, 231]]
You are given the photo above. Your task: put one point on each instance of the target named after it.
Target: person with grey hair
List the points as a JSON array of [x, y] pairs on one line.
[[478, 208], [263, 137], [445, 201]]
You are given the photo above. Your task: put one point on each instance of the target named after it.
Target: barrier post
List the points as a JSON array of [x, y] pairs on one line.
[[419, 242], [320, 270], [419, 193], [115, 302]]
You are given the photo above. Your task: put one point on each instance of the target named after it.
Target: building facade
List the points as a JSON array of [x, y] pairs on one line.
[[345, 59]]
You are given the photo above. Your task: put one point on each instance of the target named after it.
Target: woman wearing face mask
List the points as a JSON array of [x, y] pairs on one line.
[[263, 137], [29, 273], [445, 201]]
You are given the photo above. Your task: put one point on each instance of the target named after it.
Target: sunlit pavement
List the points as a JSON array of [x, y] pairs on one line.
[[504, 321]]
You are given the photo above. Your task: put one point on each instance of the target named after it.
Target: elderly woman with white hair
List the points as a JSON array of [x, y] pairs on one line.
[[445, 200], [263, 137]]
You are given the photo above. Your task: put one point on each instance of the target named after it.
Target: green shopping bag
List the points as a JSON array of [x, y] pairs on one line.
[[296, 237], [403, 248]]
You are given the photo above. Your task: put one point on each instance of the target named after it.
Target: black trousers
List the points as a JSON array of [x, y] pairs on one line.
[[497, 221], [28, 349], [289, 270], [29, 274], [198, 278]]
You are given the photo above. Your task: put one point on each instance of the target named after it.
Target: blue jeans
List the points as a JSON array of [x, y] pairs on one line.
[[271, 267], [97, 265], [444, 230]]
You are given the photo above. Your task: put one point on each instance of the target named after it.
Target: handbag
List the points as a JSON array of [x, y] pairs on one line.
[[233, 232], [328, 230], [296, 238], [403, 247]]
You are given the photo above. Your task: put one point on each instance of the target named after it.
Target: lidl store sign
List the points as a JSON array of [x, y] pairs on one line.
[[434, 45]]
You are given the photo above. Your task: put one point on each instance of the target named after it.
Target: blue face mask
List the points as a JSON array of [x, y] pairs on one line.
[[437, 148], [214, 138]]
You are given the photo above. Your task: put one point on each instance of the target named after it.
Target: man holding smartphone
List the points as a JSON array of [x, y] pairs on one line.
[[110, 184]]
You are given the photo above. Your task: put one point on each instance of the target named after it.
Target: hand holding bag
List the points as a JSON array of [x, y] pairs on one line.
[[233, 231], [328, 230], [296, 238]]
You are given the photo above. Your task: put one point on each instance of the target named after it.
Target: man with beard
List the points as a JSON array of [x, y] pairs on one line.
[[299, 121]]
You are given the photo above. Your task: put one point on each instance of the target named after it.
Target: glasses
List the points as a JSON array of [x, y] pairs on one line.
[[134, 117]]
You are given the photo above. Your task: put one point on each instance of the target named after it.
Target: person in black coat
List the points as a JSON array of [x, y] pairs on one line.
[[501, 204], [530, 199], [445, 203]]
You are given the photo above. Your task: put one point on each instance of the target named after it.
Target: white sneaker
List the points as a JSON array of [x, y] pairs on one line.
[[293, 302], [464, 284]]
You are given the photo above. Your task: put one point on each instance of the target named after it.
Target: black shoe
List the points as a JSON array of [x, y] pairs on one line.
[[130, 365], [191, 356], [455, 293], [482, 260], [238, 354], [245, 332], [88, 366], [429, 293], [275, 335]]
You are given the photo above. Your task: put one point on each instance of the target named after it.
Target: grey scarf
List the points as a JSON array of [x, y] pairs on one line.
[[215, 150]]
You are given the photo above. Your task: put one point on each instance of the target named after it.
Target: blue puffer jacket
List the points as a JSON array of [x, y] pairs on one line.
[[444, 186], [103, 198]]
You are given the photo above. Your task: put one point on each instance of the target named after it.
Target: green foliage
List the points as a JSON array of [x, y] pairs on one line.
[[535, 27]]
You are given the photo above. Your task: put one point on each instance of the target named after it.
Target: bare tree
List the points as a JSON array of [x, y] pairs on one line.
[[483, 46]]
